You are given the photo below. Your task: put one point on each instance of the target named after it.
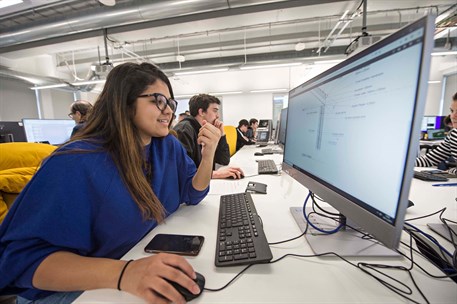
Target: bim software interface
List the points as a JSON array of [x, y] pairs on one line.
[[54, 131], [351, 128]]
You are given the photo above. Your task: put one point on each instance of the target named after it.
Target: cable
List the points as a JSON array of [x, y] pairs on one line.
[[312, 225]]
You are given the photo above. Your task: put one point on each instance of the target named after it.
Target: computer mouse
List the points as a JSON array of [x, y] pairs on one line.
[[258, 154], [187, 295]]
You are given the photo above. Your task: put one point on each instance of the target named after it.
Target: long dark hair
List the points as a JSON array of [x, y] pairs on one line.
[[111, 124]]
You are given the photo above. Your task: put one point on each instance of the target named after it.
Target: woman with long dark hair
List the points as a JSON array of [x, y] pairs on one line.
[[101, 193]]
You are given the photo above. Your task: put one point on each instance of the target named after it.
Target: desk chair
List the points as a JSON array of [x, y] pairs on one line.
[[231, 135]]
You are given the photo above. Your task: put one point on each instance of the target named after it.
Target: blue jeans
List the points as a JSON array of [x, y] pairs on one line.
[[56, 298]]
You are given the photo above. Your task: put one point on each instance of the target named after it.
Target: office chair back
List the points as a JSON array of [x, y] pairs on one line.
[[231, 134]]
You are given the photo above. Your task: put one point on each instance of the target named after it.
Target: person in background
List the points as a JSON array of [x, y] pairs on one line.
[[79, 112], [251, 133], [204, 108], [448, 148], [182, 116], [242, 139], [447, 122], [99, 194]]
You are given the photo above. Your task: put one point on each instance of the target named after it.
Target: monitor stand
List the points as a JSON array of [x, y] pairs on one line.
[[443, 231], [347, 243]]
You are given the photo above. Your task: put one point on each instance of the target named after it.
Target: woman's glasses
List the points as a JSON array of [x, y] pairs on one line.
[[161, 101]]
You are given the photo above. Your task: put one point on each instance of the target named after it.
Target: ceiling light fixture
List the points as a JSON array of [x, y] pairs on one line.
[[434, 81], [269, 90], [51, 86], [201, 71], [88, 82], [279, 65], [108, 2], [6, 3], [226, 93]]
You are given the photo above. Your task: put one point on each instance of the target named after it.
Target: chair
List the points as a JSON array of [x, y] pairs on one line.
[[18, 163], [231, 135]]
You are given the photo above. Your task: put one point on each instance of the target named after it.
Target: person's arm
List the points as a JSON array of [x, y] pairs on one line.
[[440, 153], [66, 271], [208, 137], [222, 155]]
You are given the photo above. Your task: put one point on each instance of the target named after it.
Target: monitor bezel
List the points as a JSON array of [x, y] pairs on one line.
[[388, 233]]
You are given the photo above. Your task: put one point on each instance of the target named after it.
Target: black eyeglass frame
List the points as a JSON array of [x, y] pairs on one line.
[[172, 103]]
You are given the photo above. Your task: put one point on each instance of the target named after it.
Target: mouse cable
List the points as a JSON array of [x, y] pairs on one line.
[[425, 216], [229, 282], [420, 267], [404, 291]]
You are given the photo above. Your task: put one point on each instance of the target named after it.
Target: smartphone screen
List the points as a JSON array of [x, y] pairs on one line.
[[175, 243]]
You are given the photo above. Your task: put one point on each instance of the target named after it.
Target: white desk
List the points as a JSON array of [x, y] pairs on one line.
[[292, 280]]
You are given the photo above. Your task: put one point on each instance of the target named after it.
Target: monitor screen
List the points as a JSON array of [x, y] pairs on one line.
[[262, 136], [264, 123], [53, 131], [428, 123], [12, 131], [282, 127], [338, 143]]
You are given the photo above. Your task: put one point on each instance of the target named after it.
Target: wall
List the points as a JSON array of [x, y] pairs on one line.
[[55, 103], [17, 100]]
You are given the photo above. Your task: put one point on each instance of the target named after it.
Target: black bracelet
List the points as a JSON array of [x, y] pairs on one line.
[[122, 273]]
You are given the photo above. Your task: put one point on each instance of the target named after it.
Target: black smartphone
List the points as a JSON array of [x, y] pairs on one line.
[[175, 243]]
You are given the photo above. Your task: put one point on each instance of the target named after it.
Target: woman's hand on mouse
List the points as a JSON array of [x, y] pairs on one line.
[[146, 278]]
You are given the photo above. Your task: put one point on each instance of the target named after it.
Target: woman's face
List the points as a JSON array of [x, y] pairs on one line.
[[454, 113], [150, 121]]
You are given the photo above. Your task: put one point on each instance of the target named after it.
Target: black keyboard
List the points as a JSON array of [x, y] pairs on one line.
[[424, 175], [267, 166], [241, 240]]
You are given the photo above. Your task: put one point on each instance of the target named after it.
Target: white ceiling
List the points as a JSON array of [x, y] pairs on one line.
[[213, 33]]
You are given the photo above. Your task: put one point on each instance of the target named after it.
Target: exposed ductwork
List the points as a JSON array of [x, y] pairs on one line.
[[132, 12]]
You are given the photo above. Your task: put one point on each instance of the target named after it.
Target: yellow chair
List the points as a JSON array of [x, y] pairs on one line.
[[231, 135], [18, 163]]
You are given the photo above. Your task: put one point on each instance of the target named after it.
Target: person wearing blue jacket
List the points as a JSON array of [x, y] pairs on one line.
[[99, 194]]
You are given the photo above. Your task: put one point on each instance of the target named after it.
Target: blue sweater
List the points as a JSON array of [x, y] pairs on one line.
[[77, 202]]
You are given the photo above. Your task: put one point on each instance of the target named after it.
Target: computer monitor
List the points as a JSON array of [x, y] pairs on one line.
[[265, 124], [281, 128], [429, 123], [263, 136], [340, 147], [53, 131], [12, 131]]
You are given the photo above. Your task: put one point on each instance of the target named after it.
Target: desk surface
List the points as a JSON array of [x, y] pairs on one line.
[[292, 280]]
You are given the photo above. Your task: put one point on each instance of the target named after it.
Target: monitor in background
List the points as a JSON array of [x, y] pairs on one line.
[[337, 150], [54, 131], [428, 122], [281, 129], [439, 122], [262, 136], [265, 124], [12, 131]]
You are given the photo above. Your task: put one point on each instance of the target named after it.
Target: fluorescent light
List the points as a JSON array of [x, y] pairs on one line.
[[268, 90], [226, 93], [434, 81], [88, 82], [444, 53], [201, 71], [251, 67], [51, 86], [6, 3]]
